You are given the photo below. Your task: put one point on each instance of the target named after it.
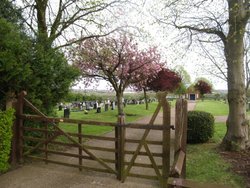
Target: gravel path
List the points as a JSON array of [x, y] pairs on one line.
[[37, 174]]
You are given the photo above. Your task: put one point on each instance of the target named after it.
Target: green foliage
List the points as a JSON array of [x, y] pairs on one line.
[[51, 78], [74, 96], [6, 121], [185, 77], [181, 90], [14, 58], [200, 126], [9, 12]]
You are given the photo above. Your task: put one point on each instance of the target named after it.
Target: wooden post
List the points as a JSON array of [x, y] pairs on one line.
[[117, 148], [46, 143], [19, 127], [178, 125], [80, 142], [165, 141], [184, 137], [120, 136]]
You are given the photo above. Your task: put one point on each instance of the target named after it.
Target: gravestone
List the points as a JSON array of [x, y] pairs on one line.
[[113, 106], [66, 113], [87, 105], [106, 107], [95, 106], [60, 107], [98, 110]]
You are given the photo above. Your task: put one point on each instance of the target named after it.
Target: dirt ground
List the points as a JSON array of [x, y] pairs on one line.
[[240, 163]]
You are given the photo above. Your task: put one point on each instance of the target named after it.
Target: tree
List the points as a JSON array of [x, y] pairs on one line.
[[181, 90], [63, 22], [14, 60], [185, 80], [227, 26], [214, 53], [54, 25], [148, 73], [51, 78], [185, 77], [203, 87], [116, 60], [166, 80], [9, 12]]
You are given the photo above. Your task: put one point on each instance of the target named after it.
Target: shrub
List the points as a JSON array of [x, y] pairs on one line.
[[200, 126], [6, 121]]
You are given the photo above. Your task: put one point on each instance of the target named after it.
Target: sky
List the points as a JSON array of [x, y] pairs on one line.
[[140, 16], [152, 33]]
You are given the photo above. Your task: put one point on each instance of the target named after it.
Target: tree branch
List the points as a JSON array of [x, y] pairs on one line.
[[220, 34]]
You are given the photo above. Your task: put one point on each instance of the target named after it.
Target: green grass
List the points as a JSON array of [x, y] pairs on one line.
[[133, 113], [217, 108], [204, 163]]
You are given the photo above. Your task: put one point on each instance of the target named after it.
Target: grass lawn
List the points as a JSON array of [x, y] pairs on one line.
[[217, 108], [204, 163], [133, 113]]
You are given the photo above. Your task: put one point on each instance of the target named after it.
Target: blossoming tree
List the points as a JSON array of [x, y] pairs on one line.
[[116, 60]]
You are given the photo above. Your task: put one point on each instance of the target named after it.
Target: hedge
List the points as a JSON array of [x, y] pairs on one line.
[[200, 126], [6, 122]]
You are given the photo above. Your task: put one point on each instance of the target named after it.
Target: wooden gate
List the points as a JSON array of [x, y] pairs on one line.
[[124, 159]]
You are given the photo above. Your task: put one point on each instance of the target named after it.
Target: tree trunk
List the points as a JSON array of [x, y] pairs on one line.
[[145, 98], [236, 137], [119, 97]]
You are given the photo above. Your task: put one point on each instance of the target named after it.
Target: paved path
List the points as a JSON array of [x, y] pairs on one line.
[[39, 175], [220, 119]]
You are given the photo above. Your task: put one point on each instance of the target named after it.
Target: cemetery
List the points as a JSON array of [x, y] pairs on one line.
[[124, 93]]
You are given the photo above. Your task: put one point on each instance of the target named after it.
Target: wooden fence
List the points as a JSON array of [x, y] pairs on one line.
[[121, 164]]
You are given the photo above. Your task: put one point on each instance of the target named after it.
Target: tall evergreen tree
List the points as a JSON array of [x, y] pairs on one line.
[[27, 65]]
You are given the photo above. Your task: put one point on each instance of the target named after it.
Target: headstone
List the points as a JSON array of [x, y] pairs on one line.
[[106, 107], [87, 106], [98, 110], [60, 107], [113, 106], [95, 106], [66, 113]]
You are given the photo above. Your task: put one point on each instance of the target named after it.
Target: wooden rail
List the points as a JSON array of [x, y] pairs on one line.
[[51, 131]]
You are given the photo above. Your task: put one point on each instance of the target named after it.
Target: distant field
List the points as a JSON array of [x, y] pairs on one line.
[[217, 108]]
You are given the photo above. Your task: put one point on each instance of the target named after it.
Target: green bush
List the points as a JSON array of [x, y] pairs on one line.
[[6, 121], [200, 127]]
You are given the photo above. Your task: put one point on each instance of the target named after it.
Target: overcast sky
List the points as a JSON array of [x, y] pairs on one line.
[[164, 37]]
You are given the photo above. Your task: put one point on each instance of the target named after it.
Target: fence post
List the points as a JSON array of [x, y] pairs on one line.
[[184, 137], [178, 125], [165, 140], [46, 144], [181, 130], [120, 144], [80, 142], [19, 127]]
